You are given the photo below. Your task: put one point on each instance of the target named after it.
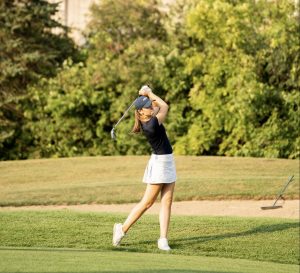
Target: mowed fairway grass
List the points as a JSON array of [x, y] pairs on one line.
[[117, 179], [90, 261], [67, 241], [56, 241]]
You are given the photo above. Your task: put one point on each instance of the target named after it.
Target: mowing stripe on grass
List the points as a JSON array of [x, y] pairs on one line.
[[71, 260], [117, 179], [260, 239]]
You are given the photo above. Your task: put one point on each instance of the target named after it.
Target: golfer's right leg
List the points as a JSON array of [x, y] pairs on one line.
[[147, 201]]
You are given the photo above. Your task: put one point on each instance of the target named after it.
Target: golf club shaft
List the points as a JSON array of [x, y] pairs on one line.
[[282, 191], [124, 114]]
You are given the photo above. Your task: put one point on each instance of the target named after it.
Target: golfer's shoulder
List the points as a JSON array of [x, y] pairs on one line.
[[152, 122], [155, 121]]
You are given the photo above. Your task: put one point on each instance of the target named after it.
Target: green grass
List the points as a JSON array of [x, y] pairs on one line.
[[263, 239], [118, 179], [71, 260], [66, 241]]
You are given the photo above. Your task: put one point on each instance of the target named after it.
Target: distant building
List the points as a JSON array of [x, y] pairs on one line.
[[74, 14]]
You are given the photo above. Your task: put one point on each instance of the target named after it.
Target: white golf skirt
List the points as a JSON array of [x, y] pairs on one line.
[[160, 169]]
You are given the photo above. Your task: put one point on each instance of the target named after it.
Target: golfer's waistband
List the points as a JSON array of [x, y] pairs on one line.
[[165, 156]]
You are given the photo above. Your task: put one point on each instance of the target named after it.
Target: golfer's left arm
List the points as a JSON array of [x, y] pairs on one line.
[[163, 107]]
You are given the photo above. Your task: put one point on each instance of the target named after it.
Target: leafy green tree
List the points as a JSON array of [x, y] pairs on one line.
[[244, 64], [127, 42], [229, 70], [29, 47], [67, 119], [76, 110]]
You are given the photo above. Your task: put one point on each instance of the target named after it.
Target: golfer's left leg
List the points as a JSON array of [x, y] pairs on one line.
[[165, 211]]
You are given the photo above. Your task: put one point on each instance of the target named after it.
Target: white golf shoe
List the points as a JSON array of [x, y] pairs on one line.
[[163, 244], [118, 234]]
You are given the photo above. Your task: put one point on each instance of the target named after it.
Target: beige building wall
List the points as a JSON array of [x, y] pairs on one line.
[[74, 14]]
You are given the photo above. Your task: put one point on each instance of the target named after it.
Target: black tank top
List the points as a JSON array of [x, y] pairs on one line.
[[157, 137]]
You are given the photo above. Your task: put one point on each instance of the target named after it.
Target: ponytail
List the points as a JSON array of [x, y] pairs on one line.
[[137, 127], [137, 123]]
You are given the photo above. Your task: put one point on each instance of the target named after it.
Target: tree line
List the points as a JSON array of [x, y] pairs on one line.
[[229, 69]]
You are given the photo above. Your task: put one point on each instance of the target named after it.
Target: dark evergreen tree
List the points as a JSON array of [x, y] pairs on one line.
[[32, 44]]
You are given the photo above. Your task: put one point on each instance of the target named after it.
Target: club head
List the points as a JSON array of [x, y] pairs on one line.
[[113, 134], [271, 207]]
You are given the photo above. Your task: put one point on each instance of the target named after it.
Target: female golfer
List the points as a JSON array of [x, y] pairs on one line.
[[160, 173]]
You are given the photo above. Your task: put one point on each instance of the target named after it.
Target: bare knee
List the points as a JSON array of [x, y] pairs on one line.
[[147, 204], [167, 201]]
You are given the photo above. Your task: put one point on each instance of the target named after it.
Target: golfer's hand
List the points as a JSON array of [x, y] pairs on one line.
[[145, 90]]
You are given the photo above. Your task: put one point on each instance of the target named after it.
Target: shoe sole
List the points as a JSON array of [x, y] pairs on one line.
[[114, 232], [165, 249]]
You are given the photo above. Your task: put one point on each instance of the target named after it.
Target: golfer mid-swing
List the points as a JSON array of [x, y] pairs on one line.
[[160, 173]]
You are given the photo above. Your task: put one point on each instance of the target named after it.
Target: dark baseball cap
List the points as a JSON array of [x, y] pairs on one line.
[[142, 102]]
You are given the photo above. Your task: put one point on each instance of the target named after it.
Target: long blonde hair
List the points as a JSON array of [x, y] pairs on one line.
[[137, 122], [138, 118]]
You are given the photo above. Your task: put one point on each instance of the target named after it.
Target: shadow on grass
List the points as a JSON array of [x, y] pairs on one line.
[[258, 230], [176, 243]]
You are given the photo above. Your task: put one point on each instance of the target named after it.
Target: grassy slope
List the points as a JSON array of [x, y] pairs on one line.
[[68, 260], [273, 240], [118, 179]]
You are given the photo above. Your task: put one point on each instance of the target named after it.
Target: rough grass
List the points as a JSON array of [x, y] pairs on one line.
[[256, 239], [118, 179]]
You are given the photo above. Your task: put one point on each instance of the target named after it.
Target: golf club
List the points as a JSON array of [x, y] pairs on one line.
[[112, 132], [280, 196]]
